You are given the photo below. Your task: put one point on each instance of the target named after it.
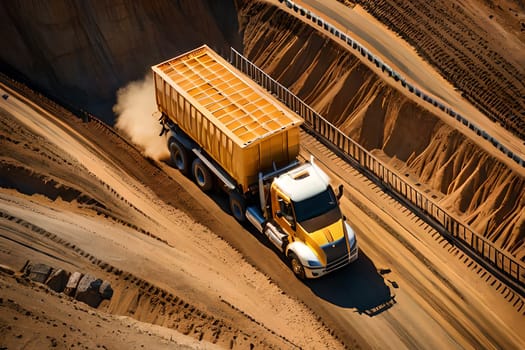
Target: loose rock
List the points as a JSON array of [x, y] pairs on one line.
[[88, 290], [106, 292], [58, 280], [72, 283], [39, 272]]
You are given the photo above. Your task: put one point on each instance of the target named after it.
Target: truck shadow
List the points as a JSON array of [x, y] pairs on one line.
[[360, 285]]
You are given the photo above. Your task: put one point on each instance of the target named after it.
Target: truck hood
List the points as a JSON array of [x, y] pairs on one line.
[[327, 241]]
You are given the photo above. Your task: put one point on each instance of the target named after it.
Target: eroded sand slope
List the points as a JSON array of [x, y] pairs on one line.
[[478, 46]]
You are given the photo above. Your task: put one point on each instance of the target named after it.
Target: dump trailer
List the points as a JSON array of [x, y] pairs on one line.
[[223, 130]]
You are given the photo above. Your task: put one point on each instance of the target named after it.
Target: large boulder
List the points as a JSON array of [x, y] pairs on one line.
[[38, 272], [88, 290], [57, 280], [72, 283]]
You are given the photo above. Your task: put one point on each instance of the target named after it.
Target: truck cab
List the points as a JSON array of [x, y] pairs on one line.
[[306, 223]]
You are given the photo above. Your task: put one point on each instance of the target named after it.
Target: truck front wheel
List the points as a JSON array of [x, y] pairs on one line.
[[179, 156], [237, 206], [203, 176], [297, 267]]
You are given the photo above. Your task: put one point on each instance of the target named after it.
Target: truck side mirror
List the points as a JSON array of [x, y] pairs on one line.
[[340, 191]]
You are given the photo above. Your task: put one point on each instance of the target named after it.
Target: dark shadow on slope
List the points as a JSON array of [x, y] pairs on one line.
[[360, 285], [29, 182]]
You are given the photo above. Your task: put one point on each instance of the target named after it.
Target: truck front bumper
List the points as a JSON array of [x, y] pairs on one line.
[[316, 272]]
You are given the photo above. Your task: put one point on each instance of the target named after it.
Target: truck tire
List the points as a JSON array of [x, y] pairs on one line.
[[202, 174], [179, 156], [297, 267], [237, 206]]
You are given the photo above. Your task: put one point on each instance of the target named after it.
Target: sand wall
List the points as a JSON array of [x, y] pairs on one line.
[[479, 188], [83, 51]]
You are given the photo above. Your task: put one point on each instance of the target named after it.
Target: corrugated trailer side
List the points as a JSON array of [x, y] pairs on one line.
[[239, 125]]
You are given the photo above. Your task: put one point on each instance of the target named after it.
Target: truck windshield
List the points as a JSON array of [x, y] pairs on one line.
[[314, 206]]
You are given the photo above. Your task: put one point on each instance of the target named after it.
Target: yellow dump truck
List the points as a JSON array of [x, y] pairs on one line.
[[224, 130]]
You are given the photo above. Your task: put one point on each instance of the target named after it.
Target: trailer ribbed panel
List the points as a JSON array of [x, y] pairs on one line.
[[238, 124], [242, 110]]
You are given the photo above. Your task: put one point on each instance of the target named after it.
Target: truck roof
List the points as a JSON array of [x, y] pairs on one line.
[[243, 110], [303, 182]]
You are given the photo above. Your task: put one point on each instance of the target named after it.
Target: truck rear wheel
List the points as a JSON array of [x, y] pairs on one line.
[[237, 206], [297, 267], [202, 174], [179, 156]]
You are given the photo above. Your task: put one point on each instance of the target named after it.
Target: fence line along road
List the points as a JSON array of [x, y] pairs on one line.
[[497, 261]]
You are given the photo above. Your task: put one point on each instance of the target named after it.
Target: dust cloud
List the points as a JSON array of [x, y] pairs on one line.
[[135, 117]]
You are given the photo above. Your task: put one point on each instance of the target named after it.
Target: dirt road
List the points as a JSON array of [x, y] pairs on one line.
[[441, 299]]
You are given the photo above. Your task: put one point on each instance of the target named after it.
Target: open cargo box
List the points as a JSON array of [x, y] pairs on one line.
[[240, 125]]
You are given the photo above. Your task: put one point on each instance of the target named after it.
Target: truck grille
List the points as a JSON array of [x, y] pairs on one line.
[[336, 254]]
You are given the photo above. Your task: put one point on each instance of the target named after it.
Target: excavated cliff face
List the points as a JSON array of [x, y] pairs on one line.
[[477, 187], [83, 51]]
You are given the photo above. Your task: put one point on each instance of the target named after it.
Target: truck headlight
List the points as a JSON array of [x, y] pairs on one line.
[[351, 235], [314, 263]]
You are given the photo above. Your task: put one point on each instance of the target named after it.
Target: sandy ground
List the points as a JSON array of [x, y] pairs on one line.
[[185, 274], [33, 317], [410, 64], [477, 45]]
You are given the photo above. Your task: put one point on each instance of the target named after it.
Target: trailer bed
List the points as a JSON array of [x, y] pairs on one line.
[[240, 125]]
